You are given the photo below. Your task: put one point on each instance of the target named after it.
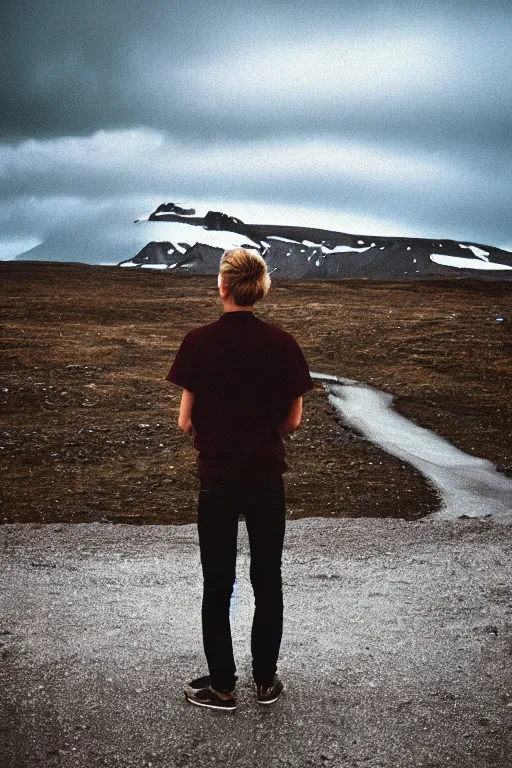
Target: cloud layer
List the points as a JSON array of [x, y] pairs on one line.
[[392, 114]]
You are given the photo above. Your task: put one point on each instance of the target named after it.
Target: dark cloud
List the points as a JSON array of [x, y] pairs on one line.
[[73, 68], [171, 99]]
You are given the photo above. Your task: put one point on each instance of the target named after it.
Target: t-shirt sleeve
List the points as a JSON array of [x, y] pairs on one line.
[[183, 371], [296, 375]]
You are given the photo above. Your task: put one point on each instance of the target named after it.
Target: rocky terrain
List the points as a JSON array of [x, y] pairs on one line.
[[406, 622], [403, 630], [89, 424]]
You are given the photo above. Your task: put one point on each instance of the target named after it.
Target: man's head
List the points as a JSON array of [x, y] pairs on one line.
[[244, 276]]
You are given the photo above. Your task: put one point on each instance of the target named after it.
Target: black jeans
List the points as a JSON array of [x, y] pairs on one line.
[[217, 522]]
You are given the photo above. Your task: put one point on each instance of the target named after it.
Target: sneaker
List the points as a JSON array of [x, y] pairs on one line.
[[267, 694], [200, 692]]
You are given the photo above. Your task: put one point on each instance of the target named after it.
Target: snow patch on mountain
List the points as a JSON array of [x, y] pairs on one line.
[[479, 252], [461, 263], [148, 266], [336, 249]]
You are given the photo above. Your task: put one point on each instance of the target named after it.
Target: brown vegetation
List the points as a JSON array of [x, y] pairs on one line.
[[89, 424]]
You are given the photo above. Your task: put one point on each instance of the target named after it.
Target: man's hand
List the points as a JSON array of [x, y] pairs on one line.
[[185, 417], [292, 421]]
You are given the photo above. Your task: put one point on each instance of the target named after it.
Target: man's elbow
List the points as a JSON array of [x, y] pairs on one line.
[[290, 426]]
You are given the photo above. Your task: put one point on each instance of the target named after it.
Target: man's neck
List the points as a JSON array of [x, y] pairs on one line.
[[230, 307]]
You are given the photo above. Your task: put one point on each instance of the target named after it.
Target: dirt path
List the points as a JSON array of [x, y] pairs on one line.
[[469, 486]]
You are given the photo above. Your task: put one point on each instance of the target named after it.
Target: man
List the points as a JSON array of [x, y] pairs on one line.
[[243, 381]]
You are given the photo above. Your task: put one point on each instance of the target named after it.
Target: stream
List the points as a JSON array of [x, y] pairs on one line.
[[468, 485]]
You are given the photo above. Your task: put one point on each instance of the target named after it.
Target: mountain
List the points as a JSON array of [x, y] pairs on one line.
[[303, 252]]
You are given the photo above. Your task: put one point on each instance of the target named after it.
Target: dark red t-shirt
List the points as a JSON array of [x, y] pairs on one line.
[[245, 373]]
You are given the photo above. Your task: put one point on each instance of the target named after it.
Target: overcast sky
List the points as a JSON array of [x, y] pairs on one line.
[[372, 118]]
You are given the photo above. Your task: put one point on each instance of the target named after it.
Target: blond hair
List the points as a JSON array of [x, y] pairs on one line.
[[244, 272]]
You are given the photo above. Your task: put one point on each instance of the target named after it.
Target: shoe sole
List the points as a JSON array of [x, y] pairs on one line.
[[270, 701], [211, 706]]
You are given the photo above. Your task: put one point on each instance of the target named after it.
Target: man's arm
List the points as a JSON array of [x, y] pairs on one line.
[[292, 421], [290, 424], [185, 417]]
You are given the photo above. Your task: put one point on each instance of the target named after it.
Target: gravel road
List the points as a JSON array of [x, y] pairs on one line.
[[396, 648]]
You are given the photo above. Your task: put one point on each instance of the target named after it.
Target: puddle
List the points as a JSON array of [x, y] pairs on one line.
[[468, 485]]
